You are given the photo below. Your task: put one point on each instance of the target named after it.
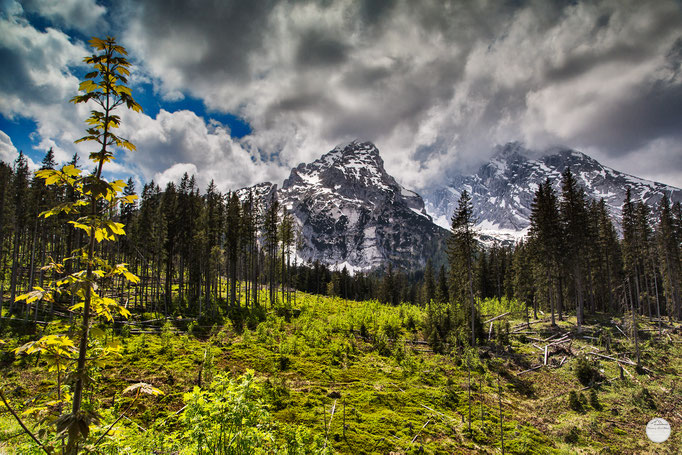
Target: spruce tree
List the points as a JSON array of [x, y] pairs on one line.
[[630, 250], [233, 233], [461, 249], [669, 251], [574, 224], [610, 257], [169, 209], [524, 288], [271, 226], [20, 204], [429, 288], [545, 239], [442, 292], [6, 177], [287, 237]]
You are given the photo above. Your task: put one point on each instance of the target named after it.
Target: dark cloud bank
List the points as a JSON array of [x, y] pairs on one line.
[[435, 84]]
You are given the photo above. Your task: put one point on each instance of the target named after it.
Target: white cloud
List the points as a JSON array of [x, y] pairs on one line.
[[36, 81], [174, 173], [662, 164], [83, 15], [8, 152], [175, 142]]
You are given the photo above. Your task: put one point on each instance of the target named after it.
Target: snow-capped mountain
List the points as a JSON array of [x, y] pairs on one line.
[[503, 189], [351, 213]]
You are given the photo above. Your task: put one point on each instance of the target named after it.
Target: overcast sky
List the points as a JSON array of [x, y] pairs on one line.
[[241, 91]]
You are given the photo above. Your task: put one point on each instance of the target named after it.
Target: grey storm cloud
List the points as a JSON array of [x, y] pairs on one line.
[[436, 84], [208, 40], [316, 48]]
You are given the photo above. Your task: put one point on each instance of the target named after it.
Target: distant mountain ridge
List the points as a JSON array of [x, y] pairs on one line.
[[503, 189], [352, 213]]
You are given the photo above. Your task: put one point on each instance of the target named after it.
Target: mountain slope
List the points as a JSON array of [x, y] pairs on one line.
[[351, 213], [503, 189]]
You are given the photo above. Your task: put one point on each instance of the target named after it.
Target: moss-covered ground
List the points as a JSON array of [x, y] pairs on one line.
[[360, 376]]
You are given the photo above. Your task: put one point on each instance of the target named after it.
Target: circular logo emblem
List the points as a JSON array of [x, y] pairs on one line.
[[658, 430]]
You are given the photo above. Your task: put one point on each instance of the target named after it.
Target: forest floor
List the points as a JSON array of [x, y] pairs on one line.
[[361, 377]]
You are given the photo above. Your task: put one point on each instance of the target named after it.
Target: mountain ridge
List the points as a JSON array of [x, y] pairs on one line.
[[351, 213], [503, 189]]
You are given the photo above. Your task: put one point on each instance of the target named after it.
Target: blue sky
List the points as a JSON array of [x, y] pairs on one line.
[[241, 92]]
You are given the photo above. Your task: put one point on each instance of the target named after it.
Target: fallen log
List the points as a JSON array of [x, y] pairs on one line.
[[497, 317], [560, 341], [529, 369], [526, 324], [627, 362], [621, 331], [550, 337]]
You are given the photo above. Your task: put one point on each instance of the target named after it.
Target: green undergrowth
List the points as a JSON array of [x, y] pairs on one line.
[[333, 376]]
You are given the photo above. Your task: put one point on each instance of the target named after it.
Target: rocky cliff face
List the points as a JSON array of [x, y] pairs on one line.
[[351, 213], [503, 189]]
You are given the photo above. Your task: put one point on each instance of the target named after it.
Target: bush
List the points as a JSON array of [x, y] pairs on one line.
[[192, 328], [284, 362], [236, 317], [276, 391], [229, 413], [575, 403], [364, 333], [644, 399], [587, 372], [167, 333], [447, 326], [381, 344], [594, 400], [573, 436]]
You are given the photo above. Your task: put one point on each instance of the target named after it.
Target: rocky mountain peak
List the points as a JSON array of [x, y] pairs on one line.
[[352, 213], [358, 149], [511, 151], [260, 192], [503, 189], [562, 158], [354, 166]]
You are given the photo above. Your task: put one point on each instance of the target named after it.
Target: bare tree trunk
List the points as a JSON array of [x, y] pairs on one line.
[[550, 296], [579, 292], [658, 305], [634, 328], [638, 291], [647, 287], [15, 265], [469, 389], [560, 301], [31, 265]]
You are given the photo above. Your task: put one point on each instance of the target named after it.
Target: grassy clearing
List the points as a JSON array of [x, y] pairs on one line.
[[358, 377]]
